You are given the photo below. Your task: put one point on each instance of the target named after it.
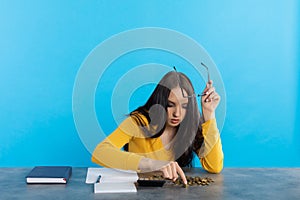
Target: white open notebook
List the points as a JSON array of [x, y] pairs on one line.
[[112, 180]]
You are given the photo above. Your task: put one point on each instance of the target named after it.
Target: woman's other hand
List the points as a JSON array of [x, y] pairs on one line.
[[209, 101]]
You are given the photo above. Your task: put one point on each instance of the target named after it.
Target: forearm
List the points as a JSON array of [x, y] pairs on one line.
[[208, 115], [213, 161], [211, 153], [150, 165], [108, 155]]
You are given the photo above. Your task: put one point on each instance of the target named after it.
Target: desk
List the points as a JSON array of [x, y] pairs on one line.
[[232, 183]]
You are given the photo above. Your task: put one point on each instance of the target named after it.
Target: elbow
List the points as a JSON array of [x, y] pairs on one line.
[[97, 155], [94, 155], [94, 160], [216, 170]]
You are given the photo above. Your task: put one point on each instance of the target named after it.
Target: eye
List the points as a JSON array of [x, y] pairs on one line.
[[184, 106], [170, 104]]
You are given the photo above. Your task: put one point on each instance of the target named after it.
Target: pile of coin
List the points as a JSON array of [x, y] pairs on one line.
[[191, 181], [197, 180], [152, 177]]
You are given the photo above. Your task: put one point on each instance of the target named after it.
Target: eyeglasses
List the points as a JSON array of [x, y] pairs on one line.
[[180, 85], [208, 78]]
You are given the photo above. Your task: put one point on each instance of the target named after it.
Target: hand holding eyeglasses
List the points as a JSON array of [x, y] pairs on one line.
[[209, 97], [210, 100]]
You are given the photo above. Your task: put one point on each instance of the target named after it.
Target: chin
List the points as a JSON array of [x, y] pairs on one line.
[[173, 125]]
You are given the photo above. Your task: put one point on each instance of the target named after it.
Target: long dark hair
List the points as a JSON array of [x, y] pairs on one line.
[[188, 137]]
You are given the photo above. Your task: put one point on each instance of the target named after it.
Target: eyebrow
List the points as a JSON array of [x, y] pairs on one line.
[[175, 102], [171, 101]]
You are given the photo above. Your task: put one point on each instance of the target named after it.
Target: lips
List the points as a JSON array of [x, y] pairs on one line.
[[175, 121]]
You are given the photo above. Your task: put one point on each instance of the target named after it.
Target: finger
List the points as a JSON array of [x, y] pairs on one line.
[[207, 87], [169, 168], [210, 93], [211, 97], [174, 171], [215, 97], [181, 173], [207, 91], [165, 172], [211, 90], [209, 84]]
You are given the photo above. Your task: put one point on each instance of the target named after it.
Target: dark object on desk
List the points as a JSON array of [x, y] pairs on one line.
[[155, 180], [150, 183], [49, 174], [192, 181]]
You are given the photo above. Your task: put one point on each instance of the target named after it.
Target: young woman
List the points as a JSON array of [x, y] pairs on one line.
[[166, 132]]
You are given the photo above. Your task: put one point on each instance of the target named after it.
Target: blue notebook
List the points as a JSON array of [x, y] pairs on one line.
[[49, 174]]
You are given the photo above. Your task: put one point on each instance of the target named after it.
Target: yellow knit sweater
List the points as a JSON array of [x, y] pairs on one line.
[[108, 153]]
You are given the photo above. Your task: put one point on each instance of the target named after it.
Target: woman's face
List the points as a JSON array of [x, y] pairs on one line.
[[177, 106]]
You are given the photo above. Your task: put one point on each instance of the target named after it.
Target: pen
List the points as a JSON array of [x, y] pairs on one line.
[[98, 179]]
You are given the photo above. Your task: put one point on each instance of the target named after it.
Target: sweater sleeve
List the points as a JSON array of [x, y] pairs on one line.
[[211, 153], [108, 153]]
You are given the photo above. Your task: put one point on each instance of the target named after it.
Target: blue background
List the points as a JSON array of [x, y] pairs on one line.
[[255, 45]]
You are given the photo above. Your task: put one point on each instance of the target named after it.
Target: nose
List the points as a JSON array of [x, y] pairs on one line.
[[177, 111]]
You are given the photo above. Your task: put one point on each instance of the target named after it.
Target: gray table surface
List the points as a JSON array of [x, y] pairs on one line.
[[231, 183]]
